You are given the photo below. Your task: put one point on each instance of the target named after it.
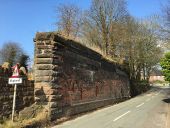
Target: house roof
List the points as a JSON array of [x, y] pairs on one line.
[[156, 72]]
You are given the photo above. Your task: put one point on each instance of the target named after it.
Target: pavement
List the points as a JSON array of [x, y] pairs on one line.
[[149, 110]]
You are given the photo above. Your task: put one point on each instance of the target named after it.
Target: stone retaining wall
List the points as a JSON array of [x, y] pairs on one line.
[[24, 96], [71, 78]]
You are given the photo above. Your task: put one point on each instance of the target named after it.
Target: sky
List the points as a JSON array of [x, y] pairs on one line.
[[21, 19]]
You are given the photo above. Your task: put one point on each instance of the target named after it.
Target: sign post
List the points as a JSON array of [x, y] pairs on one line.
[[14, 100], [14, 80]]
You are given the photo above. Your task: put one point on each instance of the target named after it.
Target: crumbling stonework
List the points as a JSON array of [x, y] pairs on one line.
[[24, 96], [71, 78]]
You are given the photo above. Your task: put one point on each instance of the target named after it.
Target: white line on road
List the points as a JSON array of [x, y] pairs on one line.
[[148, 100], [139, 105], [158, 93], [121, 116]]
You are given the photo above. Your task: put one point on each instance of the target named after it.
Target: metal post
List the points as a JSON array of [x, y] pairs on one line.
[[14, 99]]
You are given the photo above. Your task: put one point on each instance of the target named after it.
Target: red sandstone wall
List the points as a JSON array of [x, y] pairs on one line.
[[71, 78], [83, 81], [105, 85]]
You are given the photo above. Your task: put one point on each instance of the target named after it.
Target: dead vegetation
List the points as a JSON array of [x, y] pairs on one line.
[[40, 120]]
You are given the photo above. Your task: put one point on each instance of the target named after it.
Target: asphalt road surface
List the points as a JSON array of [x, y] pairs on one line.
[[149, 110]]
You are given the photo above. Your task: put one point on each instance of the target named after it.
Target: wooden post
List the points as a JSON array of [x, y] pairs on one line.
[[14, 100]]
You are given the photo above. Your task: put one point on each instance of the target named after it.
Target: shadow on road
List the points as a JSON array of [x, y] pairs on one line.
[[166, 100]]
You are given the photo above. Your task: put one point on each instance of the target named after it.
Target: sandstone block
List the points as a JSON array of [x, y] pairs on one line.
[[43, 51], [48, 55], [44, 61], [56, 111], [39, 92], [54, 104], [44, 73], [44, 42], [41, 98], [51, 92], [44, 66], [54, 98], [43, 79], [44, 46]]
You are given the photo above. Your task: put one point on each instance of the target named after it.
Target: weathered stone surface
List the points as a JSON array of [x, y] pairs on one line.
[[42, 85], [43, 79], [44, 46], [76, 76], [44, 36], [54, 104], [81, 59], [24, 96], [48, 55], [44, 61], [42, 99], [44, 51], [54, 98], [44, 67], [38, 92], [56, 113], [57, 62], [44, 73], [30, 112], [44, 42], [51, 92]]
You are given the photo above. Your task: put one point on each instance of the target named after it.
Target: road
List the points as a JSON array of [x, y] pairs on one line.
[[149, 110]]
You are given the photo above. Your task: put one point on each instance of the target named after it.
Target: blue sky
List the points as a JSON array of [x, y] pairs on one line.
[[21, 19]]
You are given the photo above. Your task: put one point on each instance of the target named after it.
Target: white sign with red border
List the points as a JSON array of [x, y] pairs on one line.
[[15, 71], [14, 79]]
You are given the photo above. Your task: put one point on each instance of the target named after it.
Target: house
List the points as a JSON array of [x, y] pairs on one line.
[[156, 75]]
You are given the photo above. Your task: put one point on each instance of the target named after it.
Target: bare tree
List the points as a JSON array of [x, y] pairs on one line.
[[69, 20], [141, 48], [165, 27], [166, 10], [100, 20], [11, 52], [23, 61], [108, 26]]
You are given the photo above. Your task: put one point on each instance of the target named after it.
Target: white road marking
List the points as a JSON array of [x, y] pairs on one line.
[[158, 93], [139, 105], [121, 116], [148, 100]]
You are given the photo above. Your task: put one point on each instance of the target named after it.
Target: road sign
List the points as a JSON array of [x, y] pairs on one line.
[[14, 80], [15, 71]]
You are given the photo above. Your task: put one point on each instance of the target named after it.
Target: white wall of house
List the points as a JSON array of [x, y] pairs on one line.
[[155, 78]]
